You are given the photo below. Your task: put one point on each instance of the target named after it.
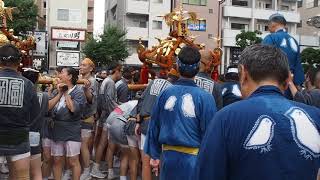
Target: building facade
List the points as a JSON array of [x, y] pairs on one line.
[[90, 21], [251, 15], [140, 19], [67, 24], [309, 35], [308, 9], [42, 14], [206, 29]]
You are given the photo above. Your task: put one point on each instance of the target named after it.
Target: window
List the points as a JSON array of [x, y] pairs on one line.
[[239, 26], [299, 25], [199, 25], [268, 6], [158, 1], [262, 27], [156, 24], [312, 3], [44, 4], [210, 11], [135, 20], [195, 2], [284, 7], [63, 15], [139, 23], [264, 5], [114, 12], [132, 46], [210, 36], [239, 3], [300, 4]]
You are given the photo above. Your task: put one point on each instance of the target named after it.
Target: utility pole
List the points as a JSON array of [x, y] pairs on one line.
[[219, 22]]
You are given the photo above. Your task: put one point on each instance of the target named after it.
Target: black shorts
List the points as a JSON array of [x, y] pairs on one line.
[[35, 150]]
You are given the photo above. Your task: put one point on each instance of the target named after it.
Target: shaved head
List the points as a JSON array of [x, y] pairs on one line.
[[206, 59], [206, 55]]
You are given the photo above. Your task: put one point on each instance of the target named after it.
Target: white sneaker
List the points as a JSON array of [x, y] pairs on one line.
[[85, 175], [4, 168], [96, 173], [112, 175], [51, 176], [67, 175]]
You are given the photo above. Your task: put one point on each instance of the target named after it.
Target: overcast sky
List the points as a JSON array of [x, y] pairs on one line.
[[98, 16]]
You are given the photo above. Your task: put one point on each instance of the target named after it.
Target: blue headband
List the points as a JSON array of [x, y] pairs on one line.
[[190, 68]]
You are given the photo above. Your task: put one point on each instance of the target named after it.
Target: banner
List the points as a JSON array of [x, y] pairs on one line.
[[40, 43], [68, 58]]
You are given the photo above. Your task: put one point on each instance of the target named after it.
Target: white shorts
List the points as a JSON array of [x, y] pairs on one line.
[[46, 143], [142, 141], [86, 133], [36, 156], [133, 141], [16, 157], [69, 148]]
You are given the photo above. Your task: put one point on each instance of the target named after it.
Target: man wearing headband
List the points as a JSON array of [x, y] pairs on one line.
[[230, 88], [19, 107], [204, 81], [90, 89], [179, 120], [144, 109], [280, 38]]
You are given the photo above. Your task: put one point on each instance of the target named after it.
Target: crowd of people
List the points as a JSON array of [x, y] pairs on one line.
[[256, 122]]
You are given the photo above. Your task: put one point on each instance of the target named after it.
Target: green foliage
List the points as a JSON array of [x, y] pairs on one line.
[[248, 38], [310, 57], [24, 18], [110, 47]]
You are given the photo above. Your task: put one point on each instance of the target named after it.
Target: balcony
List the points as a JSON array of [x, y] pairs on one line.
[[90, 3], [133, 60], [134, 33], [137, 7], [309, 41], [236, 11], [264, 14]]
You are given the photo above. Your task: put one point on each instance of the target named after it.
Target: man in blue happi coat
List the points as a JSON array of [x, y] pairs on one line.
[[265, 136], [178, 121], [231, 88], [280, 38]]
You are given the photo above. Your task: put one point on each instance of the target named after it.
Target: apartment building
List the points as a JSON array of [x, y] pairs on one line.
[[140, 19], [252, 15]]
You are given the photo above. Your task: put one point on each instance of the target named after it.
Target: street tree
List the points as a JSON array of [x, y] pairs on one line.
[[109, 47], [310, 57], [248, 38], [24, 16]]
